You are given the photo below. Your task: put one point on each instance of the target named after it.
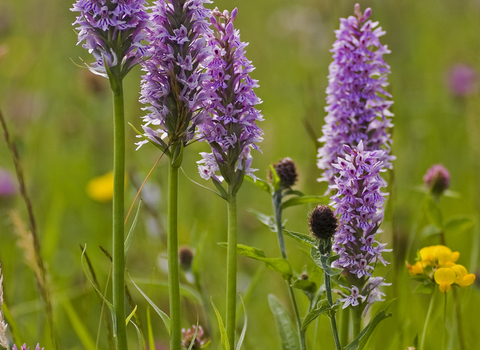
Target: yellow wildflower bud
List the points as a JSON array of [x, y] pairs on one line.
[[100, 188], [445, 277], [463, 279], [427, 255], [416, 269]]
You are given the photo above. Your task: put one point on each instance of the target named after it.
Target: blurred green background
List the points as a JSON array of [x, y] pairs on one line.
[[60, 118]]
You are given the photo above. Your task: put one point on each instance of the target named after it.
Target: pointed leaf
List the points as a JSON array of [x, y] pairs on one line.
[[361, 340], [304, 200], [223, 331], [244, 329], [320, 308], [267, 220], [287, 331], [433, 212], [262, 184], [459, 224], [128, 240], [275, 179], [141, 341], [131, 315], [163, 315], [302, 238], [322, 261], [220, 189]]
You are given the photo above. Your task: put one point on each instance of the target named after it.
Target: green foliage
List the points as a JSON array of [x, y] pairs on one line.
[[305, 200], [223, 331], [288, 333]]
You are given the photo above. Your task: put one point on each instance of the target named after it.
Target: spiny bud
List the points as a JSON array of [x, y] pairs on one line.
[[322, 222], [287, 172], [185, 257], [437, 179]]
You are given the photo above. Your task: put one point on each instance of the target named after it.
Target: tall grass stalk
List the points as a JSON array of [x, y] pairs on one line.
[[429, 314], [277, 207], [41, 276]]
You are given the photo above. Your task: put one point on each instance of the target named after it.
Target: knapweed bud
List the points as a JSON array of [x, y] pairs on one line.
[[287, 172], [437, 179], [322, 222], [185, 257]]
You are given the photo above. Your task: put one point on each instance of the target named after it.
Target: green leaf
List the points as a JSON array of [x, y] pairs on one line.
[[320, 308], [306, 285], [287, 331], [221, 190], [177, 156], [361, 340], [275, 179], [128, 240], [427, 287], [277, 264], [244, 329], [77, 324], [163, 315], [262, 184], [151, 340], [458, 224], [302, 238], [304, 200], [433, 212], [322, 261], [430, 230], [131, 315], [223, 331], [267, 220], [141, 340]]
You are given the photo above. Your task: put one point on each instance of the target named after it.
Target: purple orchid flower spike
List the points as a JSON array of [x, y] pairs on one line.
[[112, 31], [357, 107]]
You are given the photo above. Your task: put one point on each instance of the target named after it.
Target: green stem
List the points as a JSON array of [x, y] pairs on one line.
[[333, 322], [231, 267], [118, 280], [429, 313], [357, 320], [345, 324], [458, 315], [277, 207], [172, 252]]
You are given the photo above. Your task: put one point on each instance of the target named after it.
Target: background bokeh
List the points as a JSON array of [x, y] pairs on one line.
[[60, 117]]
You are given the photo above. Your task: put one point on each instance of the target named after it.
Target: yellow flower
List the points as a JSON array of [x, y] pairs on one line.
[[416, 269], [463, 279], [100, 188], [438, 255], [445, 277]]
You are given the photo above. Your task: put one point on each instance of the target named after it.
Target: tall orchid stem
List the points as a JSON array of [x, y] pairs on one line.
[[172, 251], [231, 266], [345, 325], [333, 322], [277, 207], [357, 321], [429, 314], [118, 280]]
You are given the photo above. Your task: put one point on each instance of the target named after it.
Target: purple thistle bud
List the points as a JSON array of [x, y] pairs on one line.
[[322, 222], [112, 31], [357, 109], [358, 204], [231, 129], [172, 87], [286, 171], [437, 179]]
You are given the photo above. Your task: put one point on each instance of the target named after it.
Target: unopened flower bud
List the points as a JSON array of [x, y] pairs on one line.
[[287, 172], [187, 337], [437, 179], [322, 222], [185, 257]]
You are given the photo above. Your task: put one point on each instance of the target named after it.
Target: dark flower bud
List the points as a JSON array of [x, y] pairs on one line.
[[437, 179], [185, 257], [322, 222], [304, 276], [287, 172]]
